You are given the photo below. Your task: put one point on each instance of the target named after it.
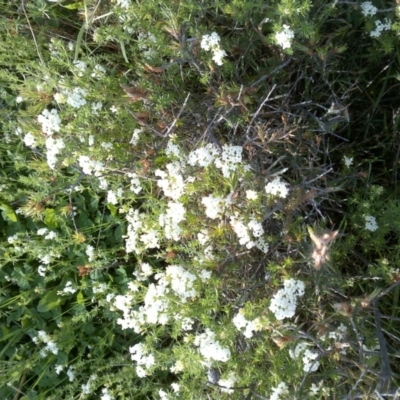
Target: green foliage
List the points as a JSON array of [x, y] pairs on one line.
[[131, 268]]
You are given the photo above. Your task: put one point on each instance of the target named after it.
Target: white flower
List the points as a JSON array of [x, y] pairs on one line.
[[58, 369], [80, 66], [67, 289], [106, 395], [347, 161], [76, 97], [213, 206], [90, 167], [111, 197], [203, 156], [50, 121], [281, 392], [176, 387], [29, 140], [218, 55], [227, 383], [367, 8], [210, 348], [277, 188], [53, 147], [135, 136], [19, 99], [379, 27], [98, 71], [172, 149], [90, 252], [251, 195], [143, 272], [42, 231], [370, 223], [71, 374], [96, 106], [284, 37], [283, 304], [171, 182], [60, 98], [12, 239], [145, 41], [51, 235], [42, 270], [211, 42]]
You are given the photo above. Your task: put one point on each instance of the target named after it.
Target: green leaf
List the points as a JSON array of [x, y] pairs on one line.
[[8, 213], [118, 233], [113, 209], [50, 218], [74, 6], [80, 299], [123, 51], [49, 301]]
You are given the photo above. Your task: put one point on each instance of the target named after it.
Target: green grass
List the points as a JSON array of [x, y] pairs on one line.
[[125, 190]]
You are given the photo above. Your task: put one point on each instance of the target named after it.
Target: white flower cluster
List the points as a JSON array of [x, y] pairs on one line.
[[277, 188], [227, 383], [172, 149], [203, 156], [380, 27], [367, 8], [144, 359], [74, 97], [49, 236], [90, 252], [87, 387], [210, 348], [230, 159], [124, 3], [370, 223], [186, 322], [135, 224], [283, 304], [51, 347], [172, 181], [214, 205], [175, 280], [181, 282], [68, 289], [50, 121], [281, 392], [112, 197], [143, 271], [171, 219], [98, 71], [135, 136], [80, 67], [227, 161], [310, 364], [211, 42], [249, 235], [337, 336], [284, 37], [241, 322], [29, 140], [136, 186], [106, 395], [145, 40], [12, 239], [348, 161], [90, 167], [53, 147]]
